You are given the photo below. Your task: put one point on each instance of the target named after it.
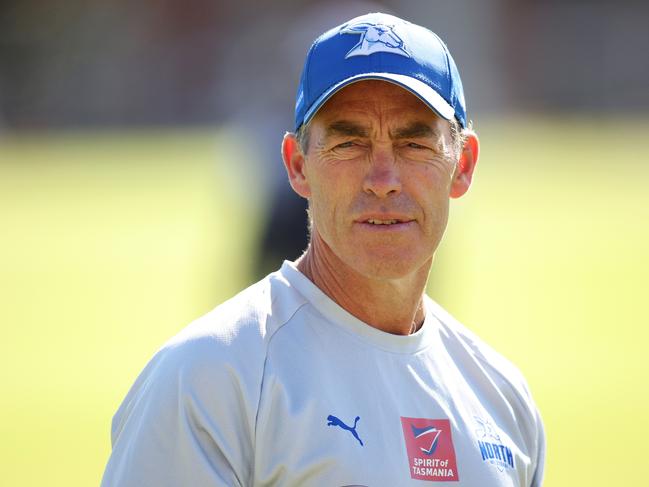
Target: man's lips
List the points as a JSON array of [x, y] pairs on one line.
[[384, 220], [383, 217]]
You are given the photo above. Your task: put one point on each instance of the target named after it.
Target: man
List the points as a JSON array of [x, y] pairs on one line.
[[337, 369]]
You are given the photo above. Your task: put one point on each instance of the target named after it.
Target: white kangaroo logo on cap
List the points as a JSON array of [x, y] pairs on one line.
[[375, 38]]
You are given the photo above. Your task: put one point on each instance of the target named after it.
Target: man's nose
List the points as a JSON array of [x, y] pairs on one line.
[[383, 176]]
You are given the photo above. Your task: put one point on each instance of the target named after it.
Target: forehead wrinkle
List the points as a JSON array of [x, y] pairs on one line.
[[377, 109]]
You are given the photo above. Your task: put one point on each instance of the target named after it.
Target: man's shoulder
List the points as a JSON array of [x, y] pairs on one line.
[[244, 324], [460, 341], [489, 369], [224, 350]]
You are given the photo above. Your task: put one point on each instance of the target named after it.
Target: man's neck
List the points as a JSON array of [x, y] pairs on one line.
[[391, 305]]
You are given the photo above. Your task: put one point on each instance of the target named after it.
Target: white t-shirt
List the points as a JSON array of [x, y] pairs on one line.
[[281, 386]]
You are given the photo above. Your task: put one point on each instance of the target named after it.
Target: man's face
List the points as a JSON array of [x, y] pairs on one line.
[[379, 170]]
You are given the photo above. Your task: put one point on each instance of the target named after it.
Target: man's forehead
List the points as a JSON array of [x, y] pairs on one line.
[[359, 101]]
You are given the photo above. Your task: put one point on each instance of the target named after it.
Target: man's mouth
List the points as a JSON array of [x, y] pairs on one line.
[[375, 221]]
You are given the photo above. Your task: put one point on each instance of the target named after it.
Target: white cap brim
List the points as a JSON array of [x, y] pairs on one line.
[[418, 88]]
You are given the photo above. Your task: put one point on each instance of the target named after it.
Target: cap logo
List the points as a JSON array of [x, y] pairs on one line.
[[375, 37]]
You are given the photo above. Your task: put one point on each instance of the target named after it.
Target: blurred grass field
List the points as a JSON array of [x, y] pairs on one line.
[[112, 242]]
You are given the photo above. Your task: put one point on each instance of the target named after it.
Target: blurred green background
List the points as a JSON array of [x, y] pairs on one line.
[[111, 242]]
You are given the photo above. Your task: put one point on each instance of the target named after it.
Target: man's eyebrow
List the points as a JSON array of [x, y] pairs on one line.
[[415, 130], [346, 128]]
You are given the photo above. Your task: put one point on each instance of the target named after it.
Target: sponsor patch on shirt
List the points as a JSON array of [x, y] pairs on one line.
[[431, 455]]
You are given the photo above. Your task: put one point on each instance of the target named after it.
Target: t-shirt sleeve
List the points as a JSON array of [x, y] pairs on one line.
[[186, 421], [513, 387], [537, 480]]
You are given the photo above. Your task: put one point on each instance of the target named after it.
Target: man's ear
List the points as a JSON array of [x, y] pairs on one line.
[[466, 165], [294, 162]]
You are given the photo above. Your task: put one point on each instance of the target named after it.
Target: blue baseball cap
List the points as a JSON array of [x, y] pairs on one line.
[[383, 47]]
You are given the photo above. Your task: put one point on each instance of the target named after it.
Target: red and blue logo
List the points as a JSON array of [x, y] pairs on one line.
[[431, 455]]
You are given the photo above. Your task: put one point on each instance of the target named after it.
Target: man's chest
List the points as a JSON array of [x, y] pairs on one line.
[[383, 425]]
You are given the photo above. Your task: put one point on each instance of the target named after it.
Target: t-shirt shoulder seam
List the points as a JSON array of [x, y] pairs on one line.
[[263, 369]]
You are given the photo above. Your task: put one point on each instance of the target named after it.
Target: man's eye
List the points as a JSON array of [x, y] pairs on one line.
[[413, 145], [345, 145]]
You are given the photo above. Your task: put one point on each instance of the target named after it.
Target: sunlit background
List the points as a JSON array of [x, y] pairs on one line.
[[139, 168]]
